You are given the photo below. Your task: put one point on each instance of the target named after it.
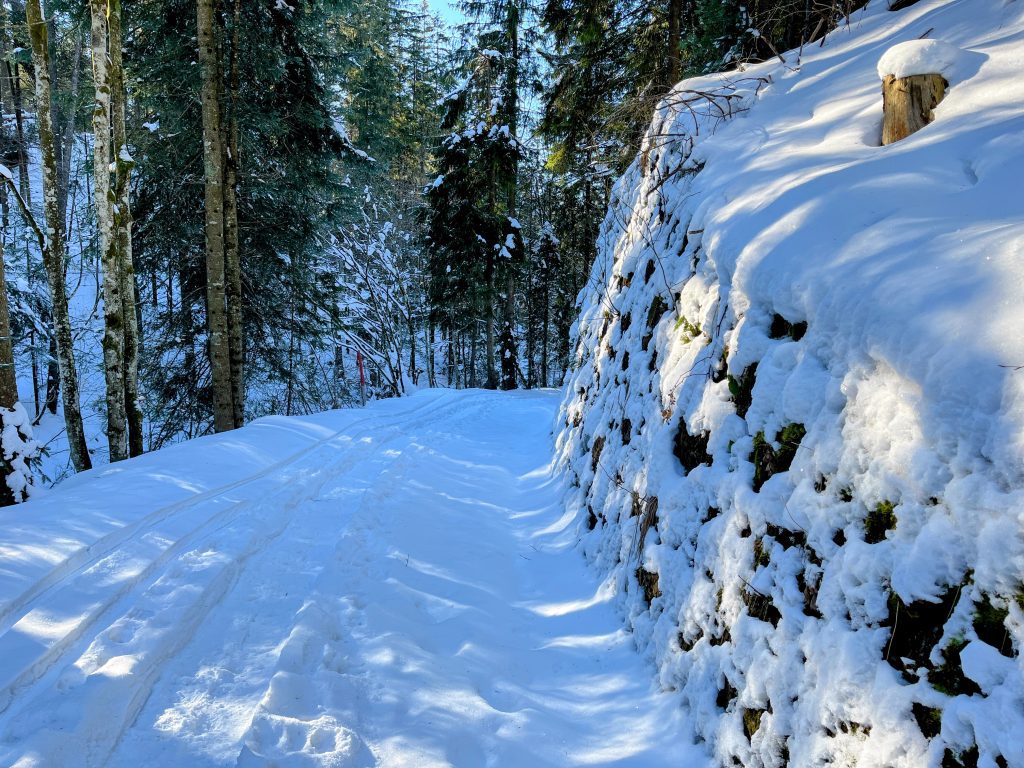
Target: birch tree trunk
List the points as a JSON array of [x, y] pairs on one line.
[[213, 163], [113, 310], [53, 252], [232, 255], [123, 165]]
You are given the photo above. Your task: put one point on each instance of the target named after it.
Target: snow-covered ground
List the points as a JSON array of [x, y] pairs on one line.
[[395, 586], [795, 431]]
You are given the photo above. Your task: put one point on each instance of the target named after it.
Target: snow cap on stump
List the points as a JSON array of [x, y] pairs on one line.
[[915, 75], [920, 57]]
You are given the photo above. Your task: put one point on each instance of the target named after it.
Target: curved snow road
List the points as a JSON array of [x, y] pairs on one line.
[[400, 589]]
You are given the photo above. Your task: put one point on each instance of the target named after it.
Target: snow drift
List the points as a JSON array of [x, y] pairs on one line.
[[794, 433]]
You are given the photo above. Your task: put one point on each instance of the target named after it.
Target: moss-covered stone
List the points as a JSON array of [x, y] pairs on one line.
[[855, 728], [967, 758], [688, 645], [648, 581], [752, 721], [648, 519], [990, 626], [760, 605], [879, 520], [781, 328], [917, 628], [726, 695], [691, 450], [595, 452], [761, 557], [949, 676], [768, 460], [929, 719], [657, 309], [809, 588], [742, 389], [786, 537]]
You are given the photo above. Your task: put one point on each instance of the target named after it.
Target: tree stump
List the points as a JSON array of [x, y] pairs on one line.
[[907, 104]]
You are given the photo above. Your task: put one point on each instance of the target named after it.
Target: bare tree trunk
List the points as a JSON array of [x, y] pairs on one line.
[[8, 379], [53, 253], [213, 162], [471, 376], [508, 341], [232, 254], [113, 302], [123, 165], [489, 344], [12, 106], [431, 355], [673, 64], [544, 337], [68, 141]]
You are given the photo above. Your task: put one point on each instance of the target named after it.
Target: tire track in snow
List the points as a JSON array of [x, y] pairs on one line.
[[217, 690], [197, 567], [90, 555]]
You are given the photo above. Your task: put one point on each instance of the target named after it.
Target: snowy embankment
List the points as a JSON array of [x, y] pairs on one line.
[[795, 430], [395, 586]]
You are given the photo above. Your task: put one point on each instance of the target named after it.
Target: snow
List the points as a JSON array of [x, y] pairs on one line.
[[762, 200], [921, 57], [395, 586]]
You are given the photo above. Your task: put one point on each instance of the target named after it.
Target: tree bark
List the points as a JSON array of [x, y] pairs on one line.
[[232, 254], [8, 379], [508, 341], [123, 165], [907, 104], [53, 252], [68, 140], [213, 163], [673, 68], [113, 302]]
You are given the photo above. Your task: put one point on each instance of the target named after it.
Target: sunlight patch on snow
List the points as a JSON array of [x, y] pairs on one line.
[[605, 592]]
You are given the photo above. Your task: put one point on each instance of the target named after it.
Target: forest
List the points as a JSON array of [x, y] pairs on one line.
[[285, 188]]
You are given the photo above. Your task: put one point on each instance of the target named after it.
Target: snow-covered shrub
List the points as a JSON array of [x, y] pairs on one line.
[[803, 348], [20, 455]]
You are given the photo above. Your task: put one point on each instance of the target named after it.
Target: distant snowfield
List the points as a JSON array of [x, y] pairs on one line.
[[395, 586]]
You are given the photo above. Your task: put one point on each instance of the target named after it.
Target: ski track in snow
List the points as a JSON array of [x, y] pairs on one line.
[[403, 592]]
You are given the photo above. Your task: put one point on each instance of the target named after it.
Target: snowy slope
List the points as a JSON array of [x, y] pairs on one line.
[[395, 586], [775, 288]]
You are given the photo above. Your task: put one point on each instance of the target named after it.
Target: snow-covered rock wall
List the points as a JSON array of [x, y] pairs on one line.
[[794, 434]]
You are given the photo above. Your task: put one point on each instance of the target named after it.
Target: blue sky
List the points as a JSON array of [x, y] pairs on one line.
[[446, 10]]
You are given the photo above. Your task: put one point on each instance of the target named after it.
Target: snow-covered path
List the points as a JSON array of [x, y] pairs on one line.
[[391, 587]]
